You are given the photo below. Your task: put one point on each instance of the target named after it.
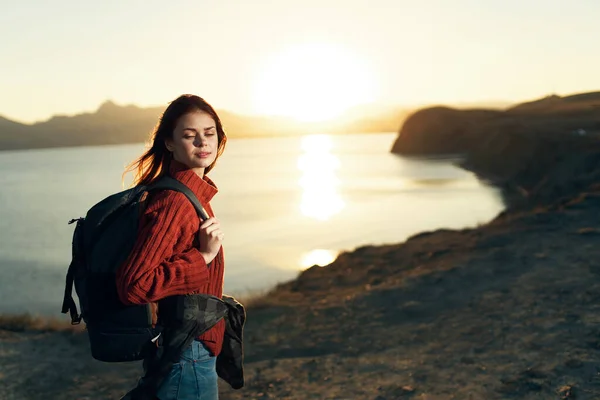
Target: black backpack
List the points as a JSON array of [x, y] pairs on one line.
[[102, 241]]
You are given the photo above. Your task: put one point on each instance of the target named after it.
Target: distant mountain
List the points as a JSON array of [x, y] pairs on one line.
[[116, 124], [581, 103], [488, 105]]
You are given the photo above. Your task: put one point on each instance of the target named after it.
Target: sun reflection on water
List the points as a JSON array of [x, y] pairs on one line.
[[320, 199]]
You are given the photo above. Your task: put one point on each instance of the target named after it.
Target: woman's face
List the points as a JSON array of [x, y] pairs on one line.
[[195, 141]]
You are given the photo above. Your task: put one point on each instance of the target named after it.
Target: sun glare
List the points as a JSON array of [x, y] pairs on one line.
[[313, 82], [320, 257]]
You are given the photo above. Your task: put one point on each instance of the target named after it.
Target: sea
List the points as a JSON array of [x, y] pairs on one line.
[[285, 204]]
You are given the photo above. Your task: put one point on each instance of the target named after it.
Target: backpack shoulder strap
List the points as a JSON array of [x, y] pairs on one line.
[[68, 304], [168, 183]]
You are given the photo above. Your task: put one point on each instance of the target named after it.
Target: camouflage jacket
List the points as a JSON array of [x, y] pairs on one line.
[[184, 318]]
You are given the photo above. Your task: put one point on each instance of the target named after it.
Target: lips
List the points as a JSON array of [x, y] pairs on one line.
[[203, 155]]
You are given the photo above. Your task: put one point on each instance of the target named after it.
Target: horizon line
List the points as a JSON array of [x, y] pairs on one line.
[[385, 105]]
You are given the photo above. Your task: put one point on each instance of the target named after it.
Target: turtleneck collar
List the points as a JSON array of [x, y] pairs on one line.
[[204, 188]]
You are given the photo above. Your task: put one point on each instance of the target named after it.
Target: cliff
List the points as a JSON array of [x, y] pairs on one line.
[[536, 152], [445, 130]]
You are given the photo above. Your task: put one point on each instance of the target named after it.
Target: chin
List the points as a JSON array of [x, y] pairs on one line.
[[201, 163]]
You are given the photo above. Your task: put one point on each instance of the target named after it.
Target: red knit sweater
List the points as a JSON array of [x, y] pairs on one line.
[[166, 260]]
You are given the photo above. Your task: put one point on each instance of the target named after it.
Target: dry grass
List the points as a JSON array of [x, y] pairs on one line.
[[251, 299], [34, 323]]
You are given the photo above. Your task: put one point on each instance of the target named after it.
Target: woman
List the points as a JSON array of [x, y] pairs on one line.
[[176, 253]]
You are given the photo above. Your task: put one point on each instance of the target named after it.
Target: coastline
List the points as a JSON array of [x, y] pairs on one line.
[[252, 266], [504, 310], [500, 311]]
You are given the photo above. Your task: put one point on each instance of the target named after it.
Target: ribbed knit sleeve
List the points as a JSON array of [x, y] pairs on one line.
[[163, 261]]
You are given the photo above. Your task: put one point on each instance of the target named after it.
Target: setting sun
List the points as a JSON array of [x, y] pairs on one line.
[[313, 82]]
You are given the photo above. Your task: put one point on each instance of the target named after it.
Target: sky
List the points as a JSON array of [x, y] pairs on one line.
[[299, 58]]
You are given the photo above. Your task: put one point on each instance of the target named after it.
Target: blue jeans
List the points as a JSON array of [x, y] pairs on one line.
[[194, 377]]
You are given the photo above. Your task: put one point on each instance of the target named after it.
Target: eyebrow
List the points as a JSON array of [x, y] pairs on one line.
[[195, 130]]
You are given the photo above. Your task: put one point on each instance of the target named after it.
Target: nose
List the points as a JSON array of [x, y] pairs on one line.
[[199, 141]]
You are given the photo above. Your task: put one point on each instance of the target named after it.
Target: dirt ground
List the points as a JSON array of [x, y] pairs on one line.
[[508, 310]]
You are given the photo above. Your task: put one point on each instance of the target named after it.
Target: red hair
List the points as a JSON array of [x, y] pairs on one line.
[[155, 161]]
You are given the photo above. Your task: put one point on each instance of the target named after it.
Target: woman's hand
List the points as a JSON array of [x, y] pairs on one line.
[[210, 237]]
